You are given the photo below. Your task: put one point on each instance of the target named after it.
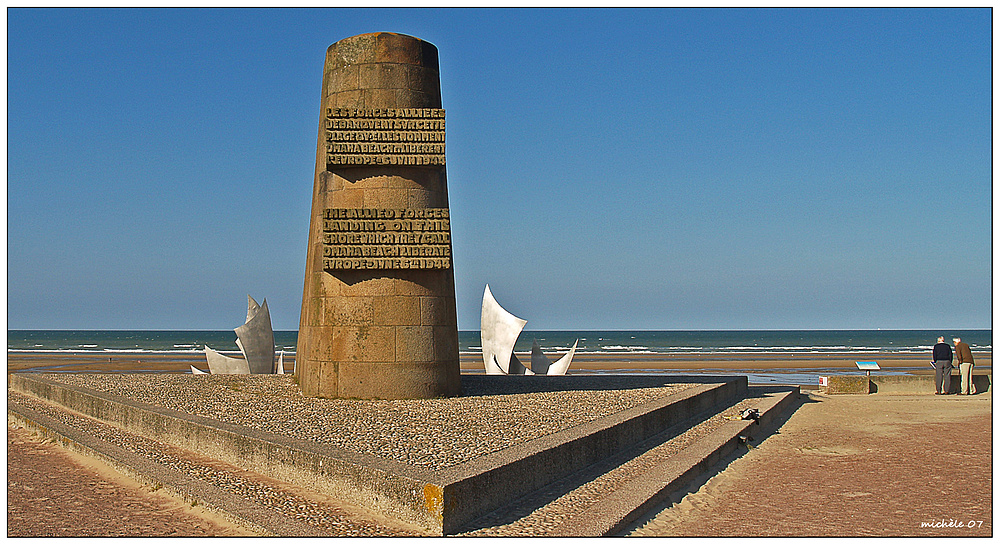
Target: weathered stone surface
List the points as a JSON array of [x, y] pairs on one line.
[[376, 330], [846, 384]]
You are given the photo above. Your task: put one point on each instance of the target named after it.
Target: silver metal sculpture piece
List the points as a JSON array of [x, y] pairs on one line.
[[219, 364], [255, 338], [541, 365], [499, 330]]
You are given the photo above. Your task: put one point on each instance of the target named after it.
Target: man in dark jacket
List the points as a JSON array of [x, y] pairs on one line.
[[965, 363], [942, 366]]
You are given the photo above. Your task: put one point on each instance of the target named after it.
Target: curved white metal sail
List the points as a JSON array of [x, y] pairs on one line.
[[224, 365], [255, 339], [541, 365], [498, 331], [561, 365]]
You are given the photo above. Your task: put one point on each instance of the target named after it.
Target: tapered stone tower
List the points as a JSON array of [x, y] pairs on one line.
[[378, 307]]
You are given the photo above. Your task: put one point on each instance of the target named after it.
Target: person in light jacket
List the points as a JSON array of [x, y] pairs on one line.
[[965, 364]]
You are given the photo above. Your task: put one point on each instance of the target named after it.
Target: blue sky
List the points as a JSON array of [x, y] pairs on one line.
[[608, 169]]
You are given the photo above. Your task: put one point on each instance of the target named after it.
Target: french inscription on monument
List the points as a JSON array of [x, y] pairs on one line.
[[385, 136], [376, 238]]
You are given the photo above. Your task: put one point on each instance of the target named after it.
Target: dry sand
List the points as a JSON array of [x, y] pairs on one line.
[[853, 465], [52, 491]]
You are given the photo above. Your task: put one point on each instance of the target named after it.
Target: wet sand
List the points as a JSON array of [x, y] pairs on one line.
[[82, 362]]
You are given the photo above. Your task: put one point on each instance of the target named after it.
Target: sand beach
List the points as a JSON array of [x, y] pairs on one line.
[[110, 362]]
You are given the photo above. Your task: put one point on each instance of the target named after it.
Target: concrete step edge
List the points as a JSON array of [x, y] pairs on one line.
[[627, 503]]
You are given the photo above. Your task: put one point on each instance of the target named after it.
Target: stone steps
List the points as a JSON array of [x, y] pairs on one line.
[[605, 498], [255, 502], [521, 490]]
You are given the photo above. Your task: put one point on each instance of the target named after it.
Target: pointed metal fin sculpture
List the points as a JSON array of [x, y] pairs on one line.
[[256, 339], [499, 330], [252, 308], [539, 362], [561, 365], [281, 364], [196, 371], [516, 367]]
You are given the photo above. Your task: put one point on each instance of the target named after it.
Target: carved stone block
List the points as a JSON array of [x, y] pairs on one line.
[[379, 235]]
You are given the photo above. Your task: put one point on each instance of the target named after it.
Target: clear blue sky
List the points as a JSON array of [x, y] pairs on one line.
[[608, 169]]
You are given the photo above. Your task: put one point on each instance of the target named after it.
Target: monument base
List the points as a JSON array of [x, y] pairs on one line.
[[447, 468]]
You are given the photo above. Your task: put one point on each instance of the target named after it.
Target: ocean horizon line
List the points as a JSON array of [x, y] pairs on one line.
[[663, 342], [562, 330]]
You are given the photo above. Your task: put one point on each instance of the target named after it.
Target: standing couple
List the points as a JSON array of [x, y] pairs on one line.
[[942, 366]]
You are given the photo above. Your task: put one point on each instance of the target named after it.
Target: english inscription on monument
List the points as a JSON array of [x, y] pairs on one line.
[[378, 307], [386, 239]]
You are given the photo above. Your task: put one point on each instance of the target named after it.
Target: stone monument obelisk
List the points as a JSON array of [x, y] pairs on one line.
[[378, 314]]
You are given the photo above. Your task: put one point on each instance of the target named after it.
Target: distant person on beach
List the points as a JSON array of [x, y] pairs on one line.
[[942, 367], [965, 364]]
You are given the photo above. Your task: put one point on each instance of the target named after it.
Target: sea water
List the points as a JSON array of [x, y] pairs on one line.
[[858, 342], [852, 344]]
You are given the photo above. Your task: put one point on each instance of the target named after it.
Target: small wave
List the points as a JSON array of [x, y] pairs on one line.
[[623, 353], [620, 347], [150, 351]]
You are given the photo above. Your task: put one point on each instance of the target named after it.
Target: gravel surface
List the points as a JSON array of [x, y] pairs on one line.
[[320, 511], [434, 433]]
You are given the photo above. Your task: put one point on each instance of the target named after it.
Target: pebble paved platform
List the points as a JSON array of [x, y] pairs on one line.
[[437, 466]]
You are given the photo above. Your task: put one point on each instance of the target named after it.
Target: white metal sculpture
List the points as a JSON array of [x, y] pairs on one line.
[[541, 365], [255, 338], [499, 330], [219, 364]]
